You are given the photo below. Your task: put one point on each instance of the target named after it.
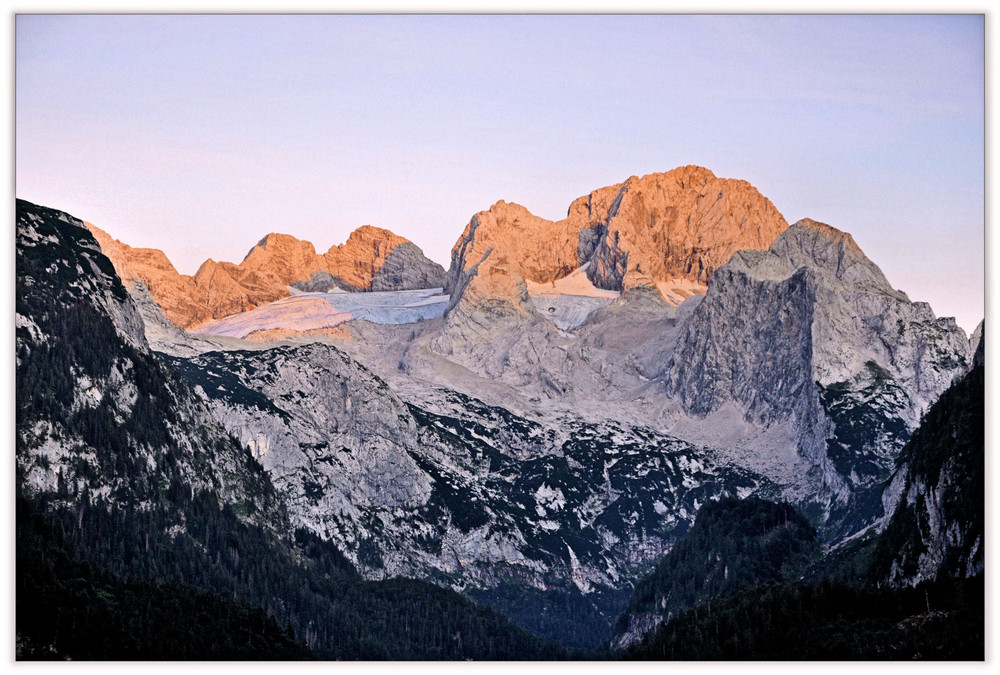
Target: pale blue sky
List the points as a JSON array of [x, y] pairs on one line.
[[200, 134]]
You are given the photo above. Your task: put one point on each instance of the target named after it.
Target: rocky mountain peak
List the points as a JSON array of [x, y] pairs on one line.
[[817, 245], [650, 232], [132, 261], [372, 258], [278, 242], [377, 237], [541, 249], [280, 258], [595, 207], [811, 332], [684, 223], [207, 268], [179, 296], [976, 344]]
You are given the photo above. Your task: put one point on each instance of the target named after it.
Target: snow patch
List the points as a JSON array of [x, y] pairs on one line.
[[295, 313]]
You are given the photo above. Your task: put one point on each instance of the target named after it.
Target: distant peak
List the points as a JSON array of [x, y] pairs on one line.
[[206, 267], [830, 233], [372, 232], [687, 173], [503, 207], [96, 231], [277, 238], [693, 170], [817, 226]]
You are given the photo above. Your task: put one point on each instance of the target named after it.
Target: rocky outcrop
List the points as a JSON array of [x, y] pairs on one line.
[[682, 224], [183, 300], [485, 281], [312, 412], [543, 250], [489, 301], [321, 281], [278, 259], [222, 294], [455, 489], [665, 232], [357, 262], [371, 259], [811, 332], [976, 342], [405, 268]]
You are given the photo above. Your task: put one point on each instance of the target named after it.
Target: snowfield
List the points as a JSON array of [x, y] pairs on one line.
[[310, 311], [296, 313]]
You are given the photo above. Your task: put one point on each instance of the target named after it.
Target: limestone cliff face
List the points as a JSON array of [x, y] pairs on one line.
[[454, 489], [405, 268], [682, 224], [811, 332], [277, 260], [542, 250], [220, 292], [489, 303], [644, 233], [356, 261], [371, 259], [685, 224], [349, 435]]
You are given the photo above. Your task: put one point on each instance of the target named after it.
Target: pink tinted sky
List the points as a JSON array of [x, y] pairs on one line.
[[197, 135]]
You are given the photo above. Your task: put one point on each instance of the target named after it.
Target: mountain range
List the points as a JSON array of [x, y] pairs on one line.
[[370, 259], [542, 425]]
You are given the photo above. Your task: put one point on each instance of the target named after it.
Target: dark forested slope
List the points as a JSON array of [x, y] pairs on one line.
[[914, 591], [138, 513]]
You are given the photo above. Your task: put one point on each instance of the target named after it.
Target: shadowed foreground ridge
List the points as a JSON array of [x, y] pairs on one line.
[[128, 491]]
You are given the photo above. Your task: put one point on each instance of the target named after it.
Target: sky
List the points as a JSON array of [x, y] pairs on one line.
[[198, 135]]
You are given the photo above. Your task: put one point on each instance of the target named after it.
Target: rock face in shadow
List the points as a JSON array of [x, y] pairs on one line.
[[811, 332], [321, 281], [356, 262], [407, 268], [96, 408], [220, 289]]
